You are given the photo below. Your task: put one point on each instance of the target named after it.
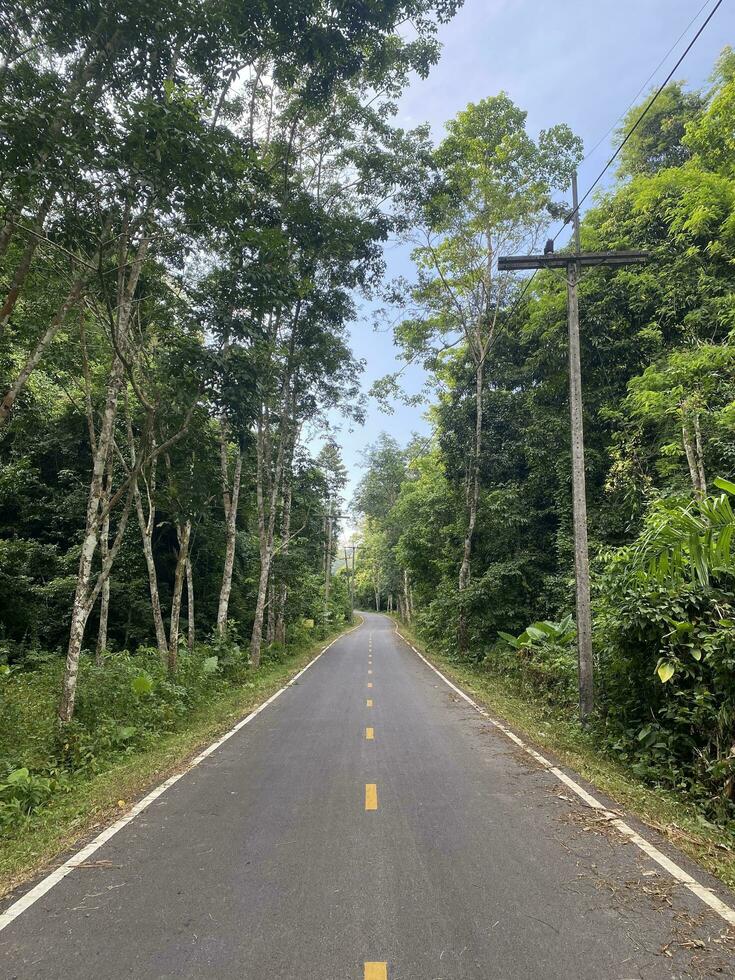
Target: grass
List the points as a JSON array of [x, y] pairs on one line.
[[93, 803], [674, 818]]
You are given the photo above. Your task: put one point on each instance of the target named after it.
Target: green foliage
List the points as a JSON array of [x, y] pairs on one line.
[[193, 200], [658, 358], [142, 684], [124, 705], [658, 141], [667, 676], [692, 541], [541, 661], [22, 793], [542, 633]]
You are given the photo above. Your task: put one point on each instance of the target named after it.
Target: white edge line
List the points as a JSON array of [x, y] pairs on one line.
[[705, 894], [47, 883]]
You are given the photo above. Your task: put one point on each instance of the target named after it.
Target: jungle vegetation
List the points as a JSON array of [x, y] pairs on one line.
[[193, 197], [467, 534]]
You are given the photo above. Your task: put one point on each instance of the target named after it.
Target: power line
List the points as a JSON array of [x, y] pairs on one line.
[[640, 118], [632, 102], [630, 132]]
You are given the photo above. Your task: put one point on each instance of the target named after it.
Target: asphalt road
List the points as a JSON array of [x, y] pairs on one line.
[[304, 848]]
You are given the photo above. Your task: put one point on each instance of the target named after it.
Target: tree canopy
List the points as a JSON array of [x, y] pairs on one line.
[[658, 375]]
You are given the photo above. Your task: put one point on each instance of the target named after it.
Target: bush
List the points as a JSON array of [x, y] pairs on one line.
[[667, 679], [23, 792], [233, 660], [542, 661], [122, 705]]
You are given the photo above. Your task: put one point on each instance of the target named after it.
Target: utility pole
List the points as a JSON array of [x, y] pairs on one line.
[[327, 560], [351, 577], [573, 263]]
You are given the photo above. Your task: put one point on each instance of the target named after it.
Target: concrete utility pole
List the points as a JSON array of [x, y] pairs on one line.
[[327, 560], [572, 264], [351, 577]]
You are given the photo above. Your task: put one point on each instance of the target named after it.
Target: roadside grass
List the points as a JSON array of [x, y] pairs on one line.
[[92, 803], [674, 818]]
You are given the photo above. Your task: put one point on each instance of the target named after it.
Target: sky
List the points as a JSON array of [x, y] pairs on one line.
[[581, 62]]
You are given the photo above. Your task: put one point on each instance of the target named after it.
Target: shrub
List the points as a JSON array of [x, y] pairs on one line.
[[23, 792], [667, 676], [542, 661]]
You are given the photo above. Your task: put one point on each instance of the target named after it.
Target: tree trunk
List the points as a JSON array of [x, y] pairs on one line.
[[699, 454], [84, 599], [270, 630], [280, 627], [230, 498], [257, 631], [281, 598], [692, 448], [104, 551], [407, 596], [146, 526], [473, 496], [104, 612], [256, 636], [190, 632], [6, 233], [85, 594], [266, 522], [23, 267], [81, 608], [184, 535], [327, 562], [128, 624]]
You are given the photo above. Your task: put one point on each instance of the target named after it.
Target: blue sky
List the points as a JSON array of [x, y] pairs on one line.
[[575, 61]]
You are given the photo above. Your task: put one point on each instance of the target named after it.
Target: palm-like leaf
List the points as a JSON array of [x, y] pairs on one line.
[[694, 541]]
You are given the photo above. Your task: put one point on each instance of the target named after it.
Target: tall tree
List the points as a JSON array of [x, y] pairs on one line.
[[495, 186]]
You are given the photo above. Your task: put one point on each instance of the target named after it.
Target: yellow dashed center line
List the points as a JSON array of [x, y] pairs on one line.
[[374, 970], [371, 796]]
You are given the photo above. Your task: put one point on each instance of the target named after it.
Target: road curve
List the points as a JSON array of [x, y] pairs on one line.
[[368, 825]]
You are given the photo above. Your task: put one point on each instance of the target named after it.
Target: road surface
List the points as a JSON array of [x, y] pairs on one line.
[[368, 824]]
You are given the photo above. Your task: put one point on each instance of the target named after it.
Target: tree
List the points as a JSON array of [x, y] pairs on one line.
[[156, 163], [495, 189], [658, 140]]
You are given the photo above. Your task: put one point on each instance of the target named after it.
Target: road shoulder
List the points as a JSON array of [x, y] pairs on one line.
[[75, 818], [671, 824]]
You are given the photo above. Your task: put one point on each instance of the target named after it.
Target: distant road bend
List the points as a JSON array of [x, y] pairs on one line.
[[369, 824]]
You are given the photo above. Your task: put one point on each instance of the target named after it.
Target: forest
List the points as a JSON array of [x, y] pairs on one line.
[[194, 201], [193, 198], [467, 533]]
